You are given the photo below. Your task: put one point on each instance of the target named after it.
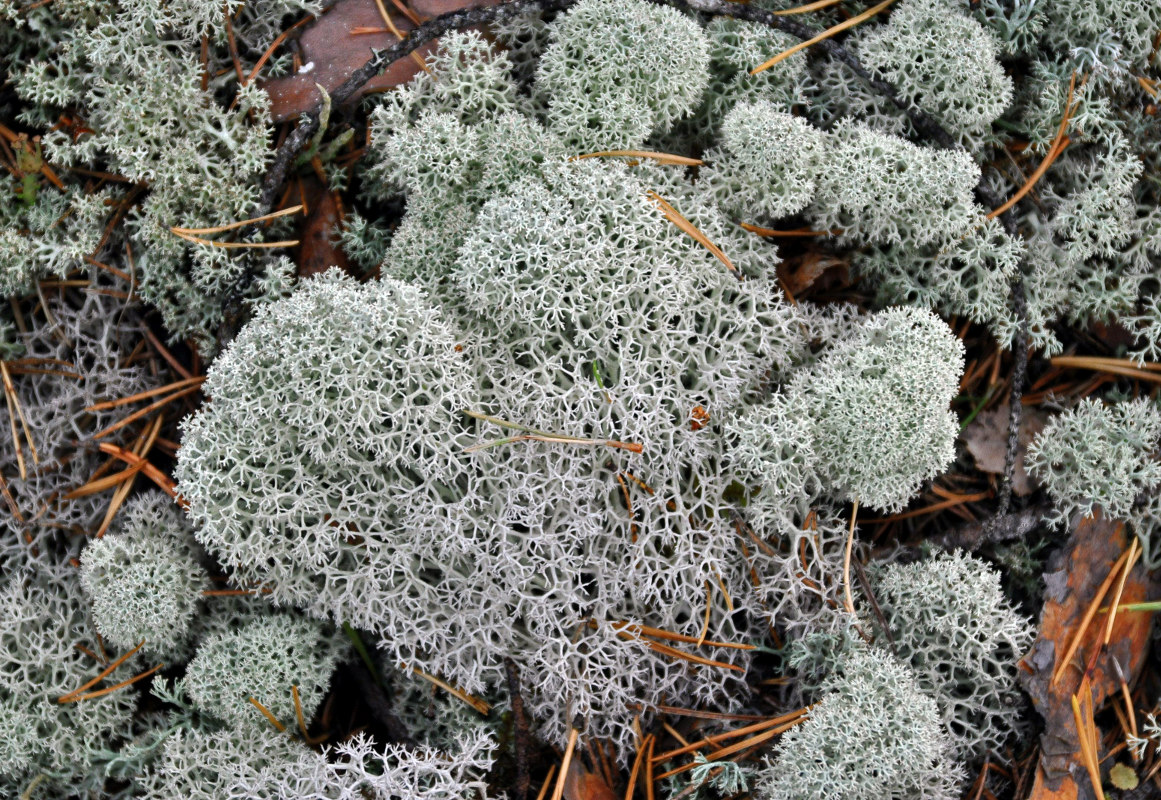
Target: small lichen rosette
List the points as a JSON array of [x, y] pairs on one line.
[[145, 579]]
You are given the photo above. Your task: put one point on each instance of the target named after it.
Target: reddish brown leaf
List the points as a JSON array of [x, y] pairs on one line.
[[331, 52], [1080, 569], [580, 784], [802, 272]]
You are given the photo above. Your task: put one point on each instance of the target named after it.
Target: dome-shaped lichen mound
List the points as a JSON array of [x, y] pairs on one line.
[[950, 621], [873, 734], [767, 162], [263, 660], [617, 71], [146, 578], [880, 402], [329, 466]]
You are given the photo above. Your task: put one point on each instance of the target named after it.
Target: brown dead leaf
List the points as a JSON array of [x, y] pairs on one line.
[[987, 440], [580, 784], [331, 52], [1075, 575], [802, 272]]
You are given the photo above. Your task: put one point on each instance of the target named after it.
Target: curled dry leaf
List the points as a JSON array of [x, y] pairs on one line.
[[1074, 576], [987, 440]]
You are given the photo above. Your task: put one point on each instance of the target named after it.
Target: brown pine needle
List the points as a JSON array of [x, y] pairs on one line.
[[478, 704], [107, 404], [266, 713], [677, 711], [705, 622], [658, 633], [745, 744], [101, 484], [1114, 366], [829, 32], [1134, 553], [1059, 142], [164, 352], [68, 698], [848, 598], [547, 782], [15, 411], [390, 23], [534, 435], [1094, 362], [673, 652], [233, 225], [806, 9], [235, 592], [721, 737], [234, 245], [661, 158], [121, 685], [649, 780], [163, 481], [690, 230], [1062, 665], [951, 502], [149, 409], [141, 449], [768, 232], [558, 791], [299, 716], [270, 51], [1086, 733], [645, 745]]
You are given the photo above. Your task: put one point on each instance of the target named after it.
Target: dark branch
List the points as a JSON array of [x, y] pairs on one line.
[[521, 739]]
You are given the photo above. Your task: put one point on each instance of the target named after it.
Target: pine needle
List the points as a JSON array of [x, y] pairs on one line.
[[1078, 635], [690, 230], [108, 404], [1059, 142], [829, 32], [68, 698], [848, 599], [266, 713], [121, 685], [478, 704], [234, 225], [661, 158], [534, 435], [558, 792]]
